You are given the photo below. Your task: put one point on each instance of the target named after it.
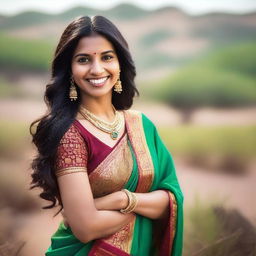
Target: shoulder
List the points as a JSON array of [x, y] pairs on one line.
[[71, 151], [72, 135]]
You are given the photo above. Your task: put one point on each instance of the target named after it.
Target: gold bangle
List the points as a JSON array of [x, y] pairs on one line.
[[132, 202], [127, 192]]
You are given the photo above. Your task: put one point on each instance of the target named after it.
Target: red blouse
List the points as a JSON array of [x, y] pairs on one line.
[[80, 148]]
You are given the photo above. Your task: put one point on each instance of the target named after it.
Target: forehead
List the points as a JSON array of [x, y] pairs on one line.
[[93, 44]]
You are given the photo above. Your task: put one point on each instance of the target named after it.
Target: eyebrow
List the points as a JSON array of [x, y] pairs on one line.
[[86, 54]]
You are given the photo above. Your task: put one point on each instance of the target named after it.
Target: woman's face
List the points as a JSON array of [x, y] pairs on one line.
[[95, 66]]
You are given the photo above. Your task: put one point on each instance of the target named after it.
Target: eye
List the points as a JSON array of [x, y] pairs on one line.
[[107, 57], [83, 60]]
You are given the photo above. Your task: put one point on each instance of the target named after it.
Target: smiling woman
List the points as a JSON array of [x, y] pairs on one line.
[[104, 164], [95, 67]]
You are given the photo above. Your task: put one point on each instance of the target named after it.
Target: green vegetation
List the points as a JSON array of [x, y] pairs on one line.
[[225, 148], [225, 78], [211, 230], [126, 11], [200, 217], [25, 19], [22, 54], [14, 139], [201, 86], [239, 58]]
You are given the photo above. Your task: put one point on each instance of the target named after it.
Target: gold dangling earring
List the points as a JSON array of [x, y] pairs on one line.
[[118, 85], [72, 90]]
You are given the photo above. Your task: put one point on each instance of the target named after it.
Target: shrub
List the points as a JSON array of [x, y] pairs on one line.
[[24, 54], [199, 86]]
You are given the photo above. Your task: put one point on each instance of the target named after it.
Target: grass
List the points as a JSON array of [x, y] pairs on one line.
[[201, 218], [214, 147], [14, 137], [211, 230]]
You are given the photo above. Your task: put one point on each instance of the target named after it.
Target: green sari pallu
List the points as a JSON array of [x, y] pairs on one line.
[[152, 168]]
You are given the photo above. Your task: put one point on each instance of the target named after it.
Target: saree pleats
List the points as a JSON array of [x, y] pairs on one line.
[[151, 168]]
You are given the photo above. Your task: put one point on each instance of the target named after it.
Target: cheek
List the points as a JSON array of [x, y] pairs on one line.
[[78, 70], [114, 68]]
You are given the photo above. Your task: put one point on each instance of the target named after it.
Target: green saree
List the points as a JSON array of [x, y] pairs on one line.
[[152, 168]]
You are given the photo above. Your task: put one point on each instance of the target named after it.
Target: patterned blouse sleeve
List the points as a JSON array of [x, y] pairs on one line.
[[71, 154]]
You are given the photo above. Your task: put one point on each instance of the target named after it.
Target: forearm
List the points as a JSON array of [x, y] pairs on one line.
[[108, 219], [102, 224], [107, 223], [153, 205]]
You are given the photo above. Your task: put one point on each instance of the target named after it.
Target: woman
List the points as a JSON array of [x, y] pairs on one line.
[[104, 164]]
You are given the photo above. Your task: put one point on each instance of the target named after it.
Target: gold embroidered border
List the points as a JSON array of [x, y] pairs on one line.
[[102, 252], [113, 172], [138, 140], [173, 218], [123, 238], [70, 170], [173, 214]]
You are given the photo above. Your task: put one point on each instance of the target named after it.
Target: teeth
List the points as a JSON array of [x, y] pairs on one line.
[[98, 81]]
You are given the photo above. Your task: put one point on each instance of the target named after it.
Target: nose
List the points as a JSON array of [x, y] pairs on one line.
[[96, 68]]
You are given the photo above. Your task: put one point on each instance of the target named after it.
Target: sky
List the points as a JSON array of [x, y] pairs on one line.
[[10, 7]]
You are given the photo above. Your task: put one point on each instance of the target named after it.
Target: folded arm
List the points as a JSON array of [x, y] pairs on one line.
[[153, 205], [85, 220]]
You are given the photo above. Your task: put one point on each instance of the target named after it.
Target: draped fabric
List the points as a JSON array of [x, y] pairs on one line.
[[139, 162]]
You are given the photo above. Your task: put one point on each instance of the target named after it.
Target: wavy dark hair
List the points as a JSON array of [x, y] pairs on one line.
[[61, 111]]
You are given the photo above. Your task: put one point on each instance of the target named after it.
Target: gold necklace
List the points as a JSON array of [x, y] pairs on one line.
[[94, 117], [112, 128]]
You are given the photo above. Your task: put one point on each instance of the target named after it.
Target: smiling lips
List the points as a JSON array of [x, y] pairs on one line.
[[99, 81]]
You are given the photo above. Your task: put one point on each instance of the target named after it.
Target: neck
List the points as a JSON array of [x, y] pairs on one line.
[[101, 107]]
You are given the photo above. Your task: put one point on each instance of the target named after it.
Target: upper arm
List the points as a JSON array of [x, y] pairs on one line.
[[73, 182]]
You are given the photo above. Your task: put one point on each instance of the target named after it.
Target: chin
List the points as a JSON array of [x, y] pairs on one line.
[[98, 92]]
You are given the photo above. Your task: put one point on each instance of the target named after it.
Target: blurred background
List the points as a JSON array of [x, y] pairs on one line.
[[196, 73]]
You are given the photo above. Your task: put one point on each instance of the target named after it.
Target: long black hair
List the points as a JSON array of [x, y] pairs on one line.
[[61, 111]]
